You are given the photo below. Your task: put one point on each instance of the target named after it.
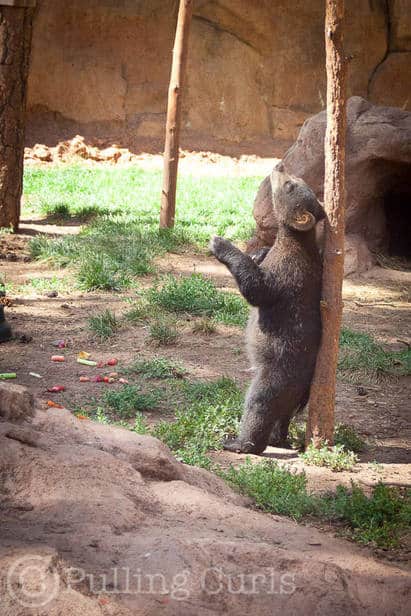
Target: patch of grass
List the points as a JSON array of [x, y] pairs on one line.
[[140, 311], [197, 295], [344, 435], [41, 285], [158, 368], [140, 425], [127, 401], [362, 357], [273, 487], [204, 326], [103, 325], [378, 519], [163, 332], [337, 458], [296, 434], [208, 412], [347, 437], [124, 204]]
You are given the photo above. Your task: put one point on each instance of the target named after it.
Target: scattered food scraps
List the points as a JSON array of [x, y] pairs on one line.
[[112, 362], [84, 379], [123, 381], [54, 405], [81, 416], [8, 375], [58, 358], [60, 344], [100, 364], [86, 362], [113, 375], [83, 355], [38, 376], [97, 379], [56, 389]]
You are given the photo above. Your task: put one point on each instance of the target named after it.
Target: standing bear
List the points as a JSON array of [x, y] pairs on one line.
[[283, 284]]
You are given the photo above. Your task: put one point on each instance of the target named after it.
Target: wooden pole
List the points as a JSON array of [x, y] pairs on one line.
[[168, 193], [15, 43], [320, 425]]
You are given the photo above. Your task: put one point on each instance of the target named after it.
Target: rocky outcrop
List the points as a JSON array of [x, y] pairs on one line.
[[99, 520], [378, 168], [255, 69]]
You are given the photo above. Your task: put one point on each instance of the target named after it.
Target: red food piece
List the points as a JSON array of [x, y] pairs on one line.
[[58, 358], [112, 362], [100, 364], [97, 379], [56, 389]]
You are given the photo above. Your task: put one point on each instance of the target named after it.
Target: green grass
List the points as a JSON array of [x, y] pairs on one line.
[[198, 296], [337, 458], [362, 357], [344, 435], [123, 237], [158, 368], [274, 488], [208, 412], [378, 519], [103, 325], [163, 331], [126, 402], [45, 284], [205, 326]]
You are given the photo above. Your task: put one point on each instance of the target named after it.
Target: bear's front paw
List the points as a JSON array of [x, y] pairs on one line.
[[218, 246]]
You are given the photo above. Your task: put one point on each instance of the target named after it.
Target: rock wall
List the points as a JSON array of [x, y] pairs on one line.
[[255, 71]]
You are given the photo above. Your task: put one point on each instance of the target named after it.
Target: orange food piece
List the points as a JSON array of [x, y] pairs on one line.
[[54, 405], [81, 416], [58, 358], [84, 379]]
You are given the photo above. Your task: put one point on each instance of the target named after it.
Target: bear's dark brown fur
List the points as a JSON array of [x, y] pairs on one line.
[[284, 329]]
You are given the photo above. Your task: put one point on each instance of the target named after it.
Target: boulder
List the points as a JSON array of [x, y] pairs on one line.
[[378, 168], [99, 520]]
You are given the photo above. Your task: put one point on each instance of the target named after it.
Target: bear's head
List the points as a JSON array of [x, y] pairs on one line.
[[295, 205]]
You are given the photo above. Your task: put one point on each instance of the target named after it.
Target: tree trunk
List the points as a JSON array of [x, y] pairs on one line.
[[15, 41], [168, 194], [320, 426]]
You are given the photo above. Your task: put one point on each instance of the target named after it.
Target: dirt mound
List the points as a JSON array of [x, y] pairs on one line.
[[96, 519], [77, 148]]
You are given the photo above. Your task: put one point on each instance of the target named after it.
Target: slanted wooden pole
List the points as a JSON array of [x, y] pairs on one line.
[[168, 193], [15, 43], [320, 426]]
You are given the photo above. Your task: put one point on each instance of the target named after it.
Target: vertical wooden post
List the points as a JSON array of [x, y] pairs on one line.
[[15, 42], [168, 193], [320, 425]]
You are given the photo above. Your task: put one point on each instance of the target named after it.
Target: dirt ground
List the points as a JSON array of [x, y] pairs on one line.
[[377, 302]]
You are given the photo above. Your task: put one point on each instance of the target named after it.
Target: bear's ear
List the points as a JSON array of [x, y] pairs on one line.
[[303, 222]]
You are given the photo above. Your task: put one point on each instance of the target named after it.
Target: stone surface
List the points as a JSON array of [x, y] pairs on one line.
[[15, 401], [391, 83], [90, 513], [378, 168], [255, 69]]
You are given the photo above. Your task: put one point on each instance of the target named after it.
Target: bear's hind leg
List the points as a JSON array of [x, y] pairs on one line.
[[257, 421]]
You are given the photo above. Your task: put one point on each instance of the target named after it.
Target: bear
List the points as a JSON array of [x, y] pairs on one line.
[[283, 286]]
